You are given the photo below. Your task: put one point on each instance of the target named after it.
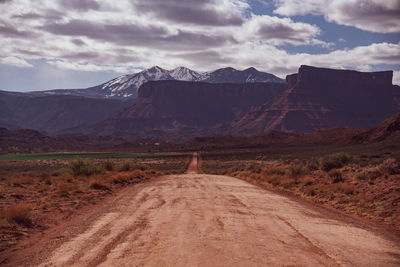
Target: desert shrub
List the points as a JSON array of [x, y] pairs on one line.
[[99, 184], [275, 180], [390, 166], [344, 188], [236, 168], [310, 191], [126, 166], [19, 213], [75, 165], [312, 165], [81, 167], [327, 164], [308, 181], [297, 169], [108, 165], [334, 161], [369, 174], [344, 158], [288, 182], [336, 176], [138, 167], [251, 166], [63, 189], [89, 170], [276, 171], [121, 179]]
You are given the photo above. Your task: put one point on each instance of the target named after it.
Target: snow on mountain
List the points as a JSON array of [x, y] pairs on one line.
[[126, 87], [231, 75], [185, 74]]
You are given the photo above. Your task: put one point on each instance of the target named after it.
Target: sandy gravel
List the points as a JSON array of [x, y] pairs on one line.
[[209, 220]]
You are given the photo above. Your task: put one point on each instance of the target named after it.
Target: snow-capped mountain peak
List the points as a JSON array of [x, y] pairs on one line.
[[126, 86], [185, 74]]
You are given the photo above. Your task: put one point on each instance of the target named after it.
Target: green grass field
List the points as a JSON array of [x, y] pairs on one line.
[[51, 156]]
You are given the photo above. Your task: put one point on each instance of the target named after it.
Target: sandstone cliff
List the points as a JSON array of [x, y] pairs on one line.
[[173, 109], [320, 98]]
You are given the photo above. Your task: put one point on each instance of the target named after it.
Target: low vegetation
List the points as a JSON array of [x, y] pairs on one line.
[[37, 194], [368, 185]]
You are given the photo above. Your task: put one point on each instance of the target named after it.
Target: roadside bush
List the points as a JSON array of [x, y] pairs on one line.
[[312, 165], [63, 189], [308, 181], [311, 191], [251, 166], [296, 170], [342, 157], [288, 182], [276, 171], [75, 165], [390, 166], [80, 167], [19, 213], [336, 176], [334, 161], [369, 174], [121, 179], [126, 166], [344, 188], [108, 165], [98, 184]]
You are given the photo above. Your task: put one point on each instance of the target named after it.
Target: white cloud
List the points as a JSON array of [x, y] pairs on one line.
[[84, 66], [277, 31], [370, 15], [114, 36], [15, 61]]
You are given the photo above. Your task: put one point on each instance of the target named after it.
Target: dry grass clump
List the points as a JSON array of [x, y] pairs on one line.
[[19, 213], [297, 169], [126, 166], [308, 181], [369, 174], [336, 176], [64, 189], [81, 167], [334, 161], [99, 183], [288, 182], [390, 166], [276, 171], [108, 165], [343, 188]]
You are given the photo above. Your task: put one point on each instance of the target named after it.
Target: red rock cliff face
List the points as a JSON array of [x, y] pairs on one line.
[[309, 75], [173, 107], [319, 98]]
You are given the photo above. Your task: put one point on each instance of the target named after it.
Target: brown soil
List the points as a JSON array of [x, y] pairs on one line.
[[209, 220]]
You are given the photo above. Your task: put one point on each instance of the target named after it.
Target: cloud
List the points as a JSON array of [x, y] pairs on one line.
[[279, 30], [370, 15], [198, 12], [16, 62], [8, 30], [81, 5], [137, 35], [62, 64], [96, 36]]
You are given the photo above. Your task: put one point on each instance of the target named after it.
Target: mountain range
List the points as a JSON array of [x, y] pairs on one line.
[[312, 99], [180, 104], [126, 87]]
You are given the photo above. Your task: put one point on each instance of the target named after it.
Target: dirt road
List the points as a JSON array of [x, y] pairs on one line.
[[208, 220]]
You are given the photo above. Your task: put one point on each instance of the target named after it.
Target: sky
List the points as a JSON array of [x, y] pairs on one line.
[[52, 44]]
